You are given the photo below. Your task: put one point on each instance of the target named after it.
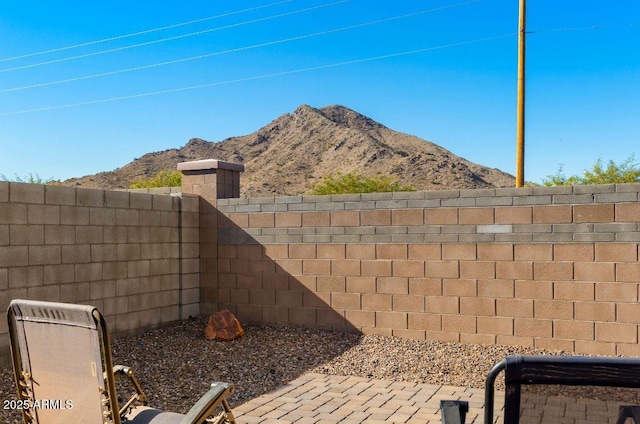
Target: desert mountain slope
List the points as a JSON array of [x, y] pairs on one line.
[[298, 149]]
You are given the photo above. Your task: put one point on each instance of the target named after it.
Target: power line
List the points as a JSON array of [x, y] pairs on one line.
[[148, 31], [255, 46], [177, 37], [590, 27], [259, 77]]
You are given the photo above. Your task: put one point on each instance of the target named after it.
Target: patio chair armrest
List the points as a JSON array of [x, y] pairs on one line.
[[139, 396], [120, 370], [216, 396]]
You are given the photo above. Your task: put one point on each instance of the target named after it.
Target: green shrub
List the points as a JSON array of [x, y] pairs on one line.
[[31, 179], [353, 182], [163, 178], [613, 173]]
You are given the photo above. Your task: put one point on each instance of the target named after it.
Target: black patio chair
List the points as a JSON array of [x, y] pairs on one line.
[[565, 389]]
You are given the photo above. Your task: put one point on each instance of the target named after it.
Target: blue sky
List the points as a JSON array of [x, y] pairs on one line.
[[457, 89]]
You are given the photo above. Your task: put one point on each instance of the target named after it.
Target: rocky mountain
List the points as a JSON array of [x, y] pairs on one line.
[[298, 149]]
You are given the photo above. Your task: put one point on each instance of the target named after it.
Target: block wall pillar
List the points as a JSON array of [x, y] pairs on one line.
[[210, 179]]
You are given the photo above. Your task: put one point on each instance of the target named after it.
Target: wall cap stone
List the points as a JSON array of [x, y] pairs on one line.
[[197, 165]]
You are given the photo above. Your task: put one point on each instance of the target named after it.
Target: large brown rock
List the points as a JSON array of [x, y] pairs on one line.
[[223, 325]]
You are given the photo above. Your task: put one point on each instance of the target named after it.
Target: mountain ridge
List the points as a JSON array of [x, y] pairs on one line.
[[298, 149]]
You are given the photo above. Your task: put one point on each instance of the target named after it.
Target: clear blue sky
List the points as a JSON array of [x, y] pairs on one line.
[[458, 91]]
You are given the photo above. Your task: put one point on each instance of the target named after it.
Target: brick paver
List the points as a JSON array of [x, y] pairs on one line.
[[318, 398]]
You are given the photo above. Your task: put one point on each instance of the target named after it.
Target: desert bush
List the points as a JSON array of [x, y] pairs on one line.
[[354, 182], [163, 178], [31, 179], [627, 171]]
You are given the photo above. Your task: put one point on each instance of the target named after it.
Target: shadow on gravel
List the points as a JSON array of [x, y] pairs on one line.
[[176, 364]]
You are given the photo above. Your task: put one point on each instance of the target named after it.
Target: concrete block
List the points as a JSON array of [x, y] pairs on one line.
[[301, 207], [341, 198], [288, 199], [273, 207], [44, 255], [458, 229], [329, 206], [476, 216], [375, 238], [494, 229], [26, 193], [515, 238], [423, 204], [442, 194], [4, 191], [24, 235], [514, 192], [477, 238], [43, 214], [359, 206], [141, 201], [47, 293], [595, 237], [22, 277], [478, 192], [628, 187], [459, 202], [163, 203], [344, 218], [116, 199], [616, 197], [376, 196], [13, 213], [261, 200], [442, 238], [628, 236], [407, 238], [595, 188], [593, 213], [546, 238], [391, 204], [531, 200], [572, 198], [494, 201], [59, 234], [59, 195], [552, 190], [89, 197]]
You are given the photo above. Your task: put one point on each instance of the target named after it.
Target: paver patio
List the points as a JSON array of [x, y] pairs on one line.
[[320, 398]]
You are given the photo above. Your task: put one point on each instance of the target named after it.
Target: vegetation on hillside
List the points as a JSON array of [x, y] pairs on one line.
[[353, 182], [627, 171], [163, 178], [31, 179]]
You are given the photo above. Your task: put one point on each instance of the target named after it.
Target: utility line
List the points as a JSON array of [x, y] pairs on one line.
[[255, 46], [148, 31], [177, 37], [590, 27], [259, 77]]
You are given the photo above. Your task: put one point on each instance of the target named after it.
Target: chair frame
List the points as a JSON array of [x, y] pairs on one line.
[[205, 406], [561, 370]]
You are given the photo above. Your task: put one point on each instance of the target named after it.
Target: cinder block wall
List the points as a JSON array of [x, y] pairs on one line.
[[553, 268], [132, 255]]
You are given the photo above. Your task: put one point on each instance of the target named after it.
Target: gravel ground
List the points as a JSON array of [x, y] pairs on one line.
[[175, 364]]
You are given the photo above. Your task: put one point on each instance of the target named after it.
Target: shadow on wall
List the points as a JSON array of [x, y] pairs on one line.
[[293, 284], [290, 327]]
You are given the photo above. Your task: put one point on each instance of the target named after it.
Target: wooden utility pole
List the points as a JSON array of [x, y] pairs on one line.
[[522, 32]]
